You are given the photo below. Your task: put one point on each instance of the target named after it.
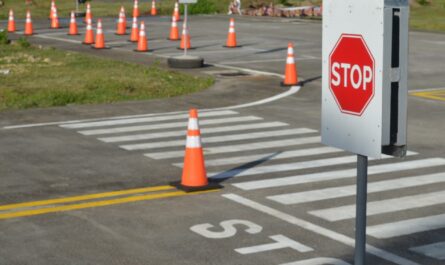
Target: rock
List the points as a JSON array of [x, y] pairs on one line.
[[5, 71]]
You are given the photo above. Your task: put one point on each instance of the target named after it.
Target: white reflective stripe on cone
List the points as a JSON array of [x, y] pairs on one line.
[[193, 124], [290, 60], [193, 142]]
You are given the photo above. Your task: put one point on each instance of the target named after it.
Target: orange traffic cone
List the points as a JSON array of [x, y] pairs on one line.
[[185, 38], [142, 42], [121, 23], [290, 76], [174, 31], [136, 8], [231, 37], [11, 21], [55, 20], [100, 37], [73, 25], [176, 12], [28, 25], [51, 11], [134, 30], [194, 176], [154, 11], [89, 35], [88, 14]]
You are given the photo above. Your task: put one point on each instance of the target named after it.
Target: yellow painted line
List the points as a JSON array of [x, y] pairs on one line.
[[84, 197], [100, 203], [434, 94]]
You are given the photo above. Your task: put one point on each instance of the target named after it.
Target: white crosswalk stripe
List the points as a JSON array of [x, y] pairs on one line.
[[407, 227], [145, 119], [240, 147], [436, 250], [373, 187], [239, 172], [383, 206], [160, 135], [219, 139], [274, 147], [166, 125], [338, 174], [269, 156]]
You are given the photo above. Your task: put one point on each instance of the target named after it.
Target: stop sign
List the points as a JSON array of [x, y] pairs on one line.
[[351, 74]]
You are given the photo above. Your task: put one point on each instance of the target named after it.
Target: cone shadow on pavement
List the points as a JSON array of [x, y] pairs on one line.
[[228, 174]]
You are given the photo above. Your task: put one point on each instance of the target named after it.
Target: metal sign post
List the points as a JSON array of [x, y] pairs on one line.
[[360, 219], [186, 25], [186, 60], [79, 13], [364, 87]]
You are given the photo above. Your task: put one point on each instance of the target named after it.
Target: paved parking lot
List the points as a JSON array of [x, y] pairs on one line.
[[89, 184]]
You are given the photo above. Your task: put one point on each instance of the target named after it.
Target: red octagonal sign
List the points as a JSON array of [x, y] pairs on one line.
[[351, 74]]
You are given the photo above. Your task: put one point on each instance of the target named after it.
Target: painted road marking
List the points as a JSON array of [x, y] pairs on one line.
[[317, 229], [280, 243], [436, 250], [291, 91], [318, 261], [219, 139], [270, 156], [145, 119], [373, 187], [338, 174], [438, 94], [167, 125], [84, 197], [94, 204], [383, 206], [149, 136], [407, 227], [246, 171], [240, 147]]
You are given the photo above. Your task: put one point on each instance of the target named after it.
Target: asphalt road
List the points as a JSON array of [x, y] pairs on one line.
[[87, 184]]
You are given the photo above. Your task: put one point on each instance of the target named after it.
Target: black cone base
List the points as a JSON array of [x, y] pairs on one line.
[[210, 186]]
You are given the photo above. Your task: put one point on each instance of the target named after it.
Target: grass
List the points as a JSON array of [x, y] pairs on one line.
[[423, 17], [46, 77], [428, 17], [100, 8]]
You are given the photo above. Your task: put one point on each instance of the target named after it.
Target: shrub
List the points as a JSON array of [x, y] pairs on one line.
[[23, 42], [423, 2], [202, 7], [3, 37]]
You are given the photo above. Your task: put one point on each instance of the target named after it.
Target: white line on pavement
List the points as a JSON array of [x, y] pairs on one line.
[[339, 174], [384, 206], [219, 139], [239, 172], [373, 187], [270, 156], [318, 261], [331, 193], [407, 227], [436, 250], [317, 229], [145, 119], [239, 147], [166, 125], [147, 136], [292, 90]]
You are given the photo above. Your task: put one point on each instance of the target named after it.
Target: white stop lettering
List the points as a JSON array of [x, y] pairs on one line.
[[345, 74]]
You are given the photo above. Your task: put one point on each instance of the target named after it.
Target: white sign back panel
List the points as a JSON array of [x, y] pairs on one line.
[[344, 125]]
